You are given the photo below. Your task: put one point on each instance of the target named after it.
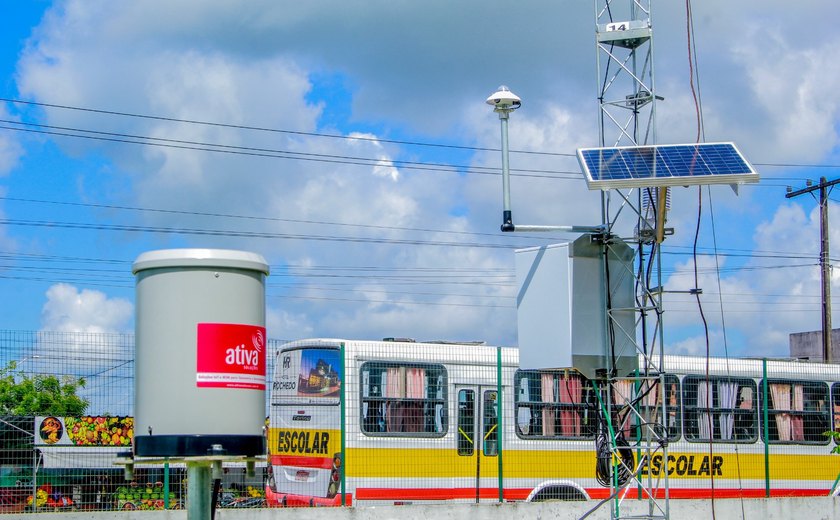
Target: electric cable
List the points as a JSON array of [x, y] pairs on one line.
[[284, 154], [273, 130]]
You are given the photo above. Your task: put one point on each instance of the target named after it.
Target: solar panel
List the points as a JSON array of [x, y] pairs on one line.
[[664, 165]]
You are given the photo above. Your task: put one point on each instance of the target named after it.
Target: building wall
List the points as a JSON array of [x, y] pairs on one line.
[[809, 345]]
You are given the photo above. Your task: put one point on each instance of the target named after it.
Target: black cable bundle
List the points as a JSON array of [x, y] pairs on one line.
[[604, 464]]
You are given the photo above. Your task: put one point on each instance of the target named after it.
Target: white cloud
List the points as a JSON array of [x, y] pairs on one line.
[[284, 325], [11, 150], [84, 333], [69, 309], [765, 298], [253, 64], [797, 88]]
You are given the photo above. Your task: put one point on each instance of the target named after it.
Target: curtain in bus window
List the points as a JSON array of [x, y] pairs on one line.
[[651, 401], [622, 392], [415, 383], [651, 398], [415, 388], [412, 417], [547, 388], [570, 392], [395, 382], [727, 395], [523, 413], [797, 429], [704, 404], [780, 394], [672, 404], [394, 388]]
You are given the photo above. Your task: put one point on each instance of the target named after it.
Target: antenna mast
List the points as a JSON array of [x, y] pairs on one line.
[[627, 117]]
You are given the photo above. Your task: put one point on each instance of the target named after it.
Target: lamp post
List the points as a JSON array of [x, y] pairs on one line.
[[504, 102]]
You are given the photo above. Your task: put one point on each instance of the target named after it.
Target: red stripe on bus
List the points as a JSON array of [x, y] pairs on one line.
[[302, 461], [425, 493], [686, 493], [594, 493]]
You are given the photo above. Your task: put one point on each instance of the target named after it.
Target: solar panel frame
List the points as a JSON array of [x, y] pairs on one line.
[[665, 165]]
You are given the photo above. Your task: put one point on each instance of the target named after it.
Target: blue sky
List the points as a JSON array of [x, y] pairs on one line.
[[405, 247]]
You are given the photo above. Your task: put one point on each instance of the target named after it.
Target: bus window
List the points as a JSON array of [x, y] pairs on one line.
[[402, 399], [720, 409], [490, 424], [650, 408], [466, 422], [552, 404], [798, 411]]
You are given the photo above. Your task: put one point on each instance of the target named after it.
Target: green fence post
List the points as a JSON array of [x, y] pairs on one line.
[[499, 414], [166, 485]]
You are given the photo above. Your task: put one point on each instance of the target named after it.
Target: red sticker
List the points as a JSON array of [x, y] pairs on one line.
[[230, 356]]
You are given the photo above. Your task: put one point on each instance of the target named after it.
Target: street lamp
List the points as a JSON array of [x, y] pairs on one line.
[[17, 364], [504, 102]]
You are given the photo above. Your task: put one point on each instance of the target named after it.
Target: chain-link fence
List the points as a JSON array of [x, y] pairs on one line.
[[384, 422], [66, 413]]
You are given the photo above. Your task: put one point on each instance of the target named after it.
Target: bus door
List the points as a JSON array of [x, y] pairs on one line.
[[477, 436]]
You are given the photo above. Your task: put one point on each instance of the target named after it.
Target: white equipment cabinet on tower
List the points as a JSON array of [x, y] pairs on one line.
[[561, 306]]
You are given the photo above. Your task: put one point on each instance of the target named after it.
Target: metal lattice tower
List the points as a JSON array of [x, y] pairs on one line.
[[627, 117]]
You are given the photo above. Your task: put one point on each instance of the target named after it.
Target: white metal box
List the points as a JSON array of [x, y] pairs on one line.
[[562, 306]]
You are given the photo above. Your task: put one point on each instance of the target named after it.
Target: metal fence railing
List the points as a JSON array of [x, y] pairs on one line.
[[410, 423]]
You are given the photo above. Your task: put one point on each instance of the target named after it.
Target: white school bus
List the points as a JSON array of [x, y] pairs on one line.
[[397, 422]]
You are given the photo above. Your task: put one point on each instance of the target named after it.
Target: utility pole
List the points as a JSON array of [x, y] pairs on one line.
[[825, 266]]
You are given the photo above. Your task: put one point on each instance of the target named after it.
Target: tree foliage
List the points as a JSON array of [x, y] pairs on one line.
[[40, 394]]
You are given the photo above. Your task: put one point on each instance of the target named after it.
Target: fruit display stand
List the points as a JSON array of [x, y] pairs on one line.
[[47, 499], [144, 497], [240, 498]]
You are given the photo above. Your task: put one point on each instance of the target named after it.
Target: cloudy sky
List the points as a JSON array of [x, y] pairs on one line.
[[352, 148]]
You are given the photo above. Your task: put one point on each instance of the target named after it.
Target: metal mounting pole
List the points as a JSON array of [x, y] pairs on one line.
[[198, 490]]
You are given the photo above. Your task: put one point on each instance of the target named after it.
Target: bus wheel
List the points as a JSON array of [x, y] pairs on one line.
[[567, 493]]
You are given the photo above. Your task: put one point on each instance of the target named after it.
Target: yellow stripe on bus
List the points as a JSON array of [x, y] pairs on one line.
[[437, 463]]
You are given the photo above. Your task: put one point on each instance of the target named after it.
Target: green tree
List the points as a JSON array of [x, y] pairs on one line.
[[40, 394], [22, 397]]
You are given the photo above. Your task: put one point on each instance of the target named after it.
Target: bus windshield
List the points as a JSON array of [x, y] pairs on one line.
[[307, 376]]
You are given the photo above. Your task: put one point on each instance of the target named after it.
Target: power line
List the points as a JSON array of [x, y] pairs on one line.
[[344, 137], [269, 152], [275, 130], [249, 234], [251, 217], [672, 250]]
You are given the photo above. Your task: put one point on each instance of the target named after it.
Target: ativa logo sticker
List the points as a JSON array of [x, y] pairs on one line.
[[230, 355]]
